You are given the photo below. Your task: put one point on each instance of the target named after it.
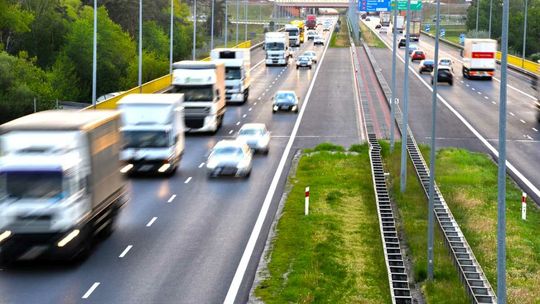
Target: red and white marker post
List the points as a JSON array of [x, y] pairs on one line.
[[524, 206], [306, 203]]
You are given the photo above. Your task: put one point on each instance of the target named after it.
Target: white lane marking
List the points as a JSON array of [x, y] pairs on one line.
[[90, 290], [467, 84], [250, 246], [493, 102], [473, 89], [358, 108], [511, 113], [172, 198], [486, 97], [244, 116], [529, 137], [123, 254], [259, 98], [188, 180], [237, 123], [266, 90], [231, 131], [250, 109], [461, 81], [495, 152], [151, 221], [255, 66], [273, 82], [201, 165], [479, 93], [522, 121], [535, 130]]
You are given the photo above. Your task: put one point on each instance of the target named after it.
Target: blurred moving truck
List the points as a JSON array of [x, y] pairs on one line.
[[311, 22], [398, 25], [479, 58], [153, 132], [300, 25], [294, 34], [203, 86], [60, 183], [276, 45], [384, 18], [237, 72], [415, 30]]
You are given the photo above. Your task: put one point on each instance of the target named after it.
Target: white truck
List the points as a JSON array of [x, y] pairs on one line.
[[479, 58], [153, 133], [398, 26], [203, 86], [237, 72], [276, 45], [294, 34], [60, 183], [384, 18]]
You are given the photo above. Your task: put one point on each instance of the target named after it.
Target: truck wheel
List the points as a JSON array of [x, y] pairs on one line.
[[465, 75], [246, 95]]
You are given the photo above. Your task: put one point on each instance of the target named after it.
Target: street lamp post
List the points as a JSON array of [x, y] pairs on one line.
[[524, 36], [94, 57], [403, 173], [212, 27], [171, 38], [477, 13], [490, 13], [140, 45], [237, 18], [246, 19], [226, 22], [194, 29]]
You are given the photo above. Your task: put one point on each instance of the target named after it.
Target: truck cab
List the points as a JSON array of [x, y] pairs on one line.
[[294, 34], [277, 48], [203, 86], [237, 72]]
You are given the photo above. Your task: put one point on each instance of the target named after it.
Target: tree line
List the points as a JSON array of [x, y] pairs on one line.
[[46, 48]]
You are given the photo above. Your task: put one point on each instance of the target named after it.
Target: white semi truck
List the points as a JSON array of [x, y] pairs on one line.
[[203, 86], [60, 183], [276, 45], [153, 133], [398, 26], [479, 58], [384, 18], [294, 34], [237, 72]]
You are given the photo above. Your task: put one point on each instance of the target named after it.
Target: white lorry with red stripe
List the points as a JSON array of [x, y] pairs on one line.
[[479, 58]]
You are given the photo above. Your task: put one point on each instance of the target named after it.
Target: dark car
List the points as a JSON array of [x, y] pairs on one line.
[[378, 26], [426, 66], [444, 75], [402, 43]]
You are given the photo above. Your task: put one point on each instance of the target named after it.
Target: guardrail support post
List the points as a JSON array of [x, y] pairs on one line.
[[306, 202]]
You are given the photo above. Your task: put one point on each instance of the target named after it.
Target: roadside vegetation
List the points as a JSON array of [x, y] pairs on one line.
[[333, 255], [369, 37], [340, 38], [468, 182]]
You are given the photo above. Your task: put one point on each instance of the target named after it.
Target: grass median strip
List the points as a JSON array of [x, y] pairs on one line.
[[369, 37], [333, 255], [340, 38]]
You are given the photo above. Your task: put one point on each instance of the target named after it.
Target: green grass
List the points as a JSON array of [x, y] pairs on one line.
[[341, 38], [369, 37], [446, 288], [334, 255], [265, 11]]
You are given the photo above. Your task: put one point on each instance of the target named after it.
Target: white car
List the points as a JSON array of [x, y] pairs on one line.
[[285, 100], [383, 30], [311, 34], [230, 157], [312, 55], [446, 62], [318, 40], [256, 136], [303, 61]]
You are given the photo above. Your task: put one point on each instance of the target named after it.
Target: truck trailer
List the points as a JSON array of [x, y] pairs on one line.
[[479, 58], [60, 183]]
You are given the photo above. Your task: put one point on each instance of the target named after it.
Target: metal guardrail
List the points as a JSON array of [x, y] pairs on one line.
[[471, 274]]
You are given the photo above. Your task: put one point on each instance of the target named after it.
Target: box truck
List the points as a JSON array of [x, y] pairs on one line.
[[277, 48], [479, 58], [398, 26], [153, 133], [237, 72], [311, 22], [203, 86], [60, 183], [294, 34], [384, 18]]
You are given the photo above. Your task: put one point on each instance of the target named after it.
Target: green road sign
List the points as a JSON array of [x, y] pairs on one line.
[[416, 5]]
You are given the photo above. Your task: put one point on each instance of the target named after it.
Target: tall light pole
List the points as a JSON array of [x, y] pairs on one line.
[[246, 19], [171, 33], [194, 29], [140, 45], [212, 27], [226, 22], [403, 173], [393, 101], [433, 148], [501, 174], [237, 18], [524, 36], [94, 57], [490, 13], [477, 13]]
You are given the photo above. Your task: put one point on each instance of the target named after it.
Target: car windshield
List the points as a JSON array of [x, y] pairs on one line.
[[233, 73], [275, 46], [445, 62], [428, 62], [195, 93], [292, 32], [250, 132], [303, 58], [285, 97], [309, 54], [222, 151], [146, 139], [30, 184]]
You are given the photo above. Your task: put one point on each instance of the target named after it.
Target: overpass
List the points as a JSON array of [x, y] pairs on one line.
[[313, 3]]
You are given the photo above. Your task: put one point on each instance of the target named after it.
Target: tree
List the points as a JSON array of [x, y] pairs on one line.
[[13, 20]]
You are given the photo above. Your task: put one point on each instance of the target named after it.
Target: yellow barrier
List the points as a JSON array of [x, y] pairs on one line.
[[518, 62], [151, 86]]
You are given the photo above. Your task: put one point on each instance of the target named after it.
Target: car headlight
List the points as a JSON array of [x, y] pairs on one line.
[[211, 164], [294, 108], [243, 164]]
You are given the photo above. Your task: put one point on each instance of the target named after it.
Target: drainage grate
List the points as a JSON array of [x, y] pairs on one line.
[[397, 274], [471, 273]]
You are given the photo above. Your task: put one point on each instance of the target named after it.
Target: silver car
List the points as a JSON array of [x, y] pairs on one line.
[[256, 136], [285, 100], [230, 157], [312, 55]]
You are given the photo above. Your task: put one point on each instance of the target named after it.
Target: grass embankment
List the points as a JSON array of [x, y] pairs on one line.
[[468, 182], [341, 38], [334, 255], [369, 37]]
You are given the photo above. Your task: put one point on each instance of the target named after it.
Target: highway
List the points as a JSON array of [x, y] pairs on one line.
[[474, 104], [181, 239]]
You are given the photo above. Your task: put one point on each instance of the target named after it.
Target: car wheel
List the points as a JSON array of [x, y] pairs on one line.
[[310, 67], [297, 67], [273, 111], [247, 174], [451, 83], [296, 111]]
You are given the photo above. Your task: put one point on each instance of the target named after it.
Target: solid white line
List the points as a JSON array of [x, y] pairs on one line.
[[522, 121], [123, 254], [535, 130], [92, 288], [255, 66], [361, 118], [201, 165], [511, 113], [187, 180], [250, 246], [151, 221], [172, 198]]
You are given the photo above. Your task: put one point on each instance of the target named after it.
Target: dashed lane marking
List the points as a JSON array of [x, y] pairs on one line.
[[244, 116], [511, 113], [201, 165], [151, 221], [123, 254], [188, 180], [249, 110], [237, 123], [486, 97], [90, 290], [231, 131], [171, 198], [522, 121], [535, 130], [493, 102]]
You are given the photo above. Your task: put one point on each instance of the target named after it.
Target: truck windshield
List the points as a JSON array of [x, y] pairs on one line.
[[196, 93], [30, 184], [146, 139], [293, 32], [275, 46], [233, 73]]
